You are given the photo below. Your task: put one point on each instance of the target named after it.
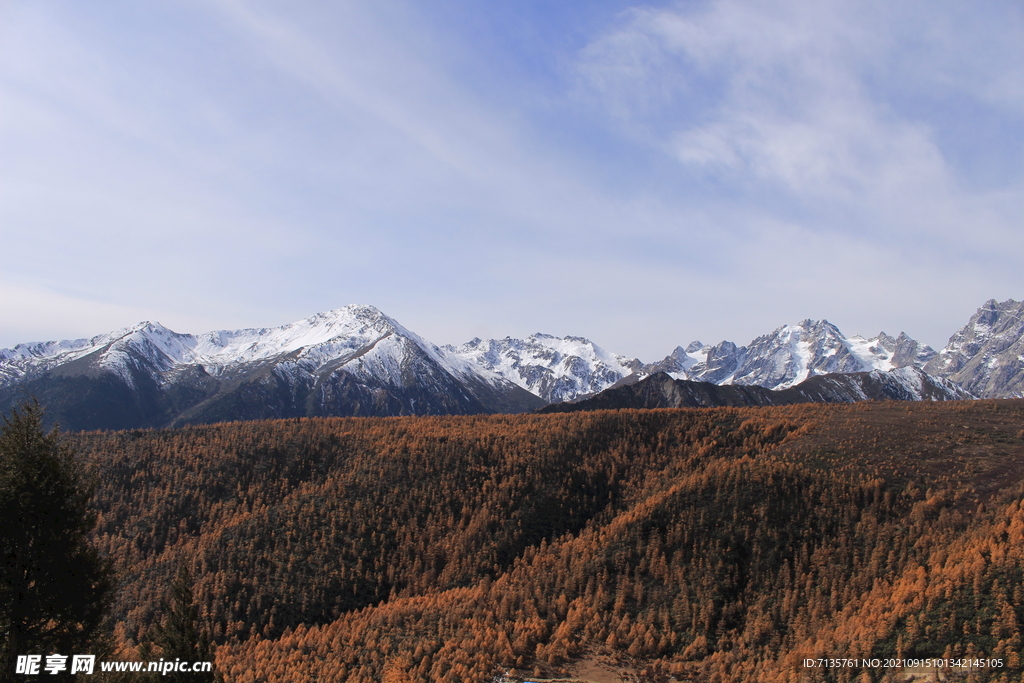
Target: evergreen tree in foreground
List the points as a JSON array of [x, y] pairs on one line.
[[54, 587], [180, 636]]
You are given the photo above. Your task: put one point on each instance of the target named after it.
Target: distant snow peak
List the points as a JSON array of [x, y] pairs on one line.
[[986, 356], [353, 360], [793, 353], [679, 362], [553, 368]]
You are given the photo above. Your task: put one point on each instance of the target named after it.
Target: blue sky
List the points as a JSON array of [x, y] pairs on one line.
[[640, 174]]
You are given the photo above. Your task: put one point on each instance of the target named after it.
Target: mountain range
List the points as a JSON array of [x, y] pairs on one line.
[[357, 361], [350, 361], [660, 390]]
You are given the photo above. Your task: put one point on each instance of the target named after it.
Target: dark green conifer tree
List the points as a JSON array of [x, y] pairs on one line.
[[54, 586], [180, 635]]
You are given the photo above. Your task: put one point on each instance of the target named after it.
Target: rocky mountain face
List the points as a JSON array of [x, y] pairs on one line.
[[357, 361], [554, 368], [569, 368], [663, 391], [986, 356], [792, 354], [351, 361]]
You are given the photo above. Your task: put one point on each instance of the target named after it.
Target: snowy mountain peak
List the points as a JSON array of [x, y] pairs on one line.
[[153, 342], [677, 363], [795, 352], [353, 360], [554, 368], [986, 356], [315, 339], [357, 360], [679, 353], [349, 316]]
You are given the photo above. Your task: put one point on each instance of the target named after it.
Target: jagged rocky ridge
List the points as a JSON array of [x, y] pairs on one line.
[[357, 361], [791, 354], [986, 356], [660, 390], [554, 368], [570, 368], [351, 361]]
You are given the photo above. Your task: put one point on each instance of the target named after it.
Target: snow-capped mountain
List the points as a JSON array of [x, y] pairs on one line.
[[570, 368], [660, 390], [792, 354], [355, 360], [889, 353], [351, 361], [986, 356], [553, 368], [680, 361]]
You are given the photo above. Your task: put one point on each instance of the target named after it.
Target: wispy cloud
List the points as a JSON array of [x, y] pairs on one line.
[[827, 102], [708, 169]]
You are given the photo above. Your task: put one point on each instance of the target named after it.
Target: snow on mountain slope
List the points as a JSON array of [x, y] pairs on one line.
[[898, 384], [888, 353], [352, 333], [871, 353], [662, 391], [357, 360], [678, 363], [350, 361], [986, 356], [148, 342], [794, 353], [920, 386], [564, 369], [554, 368], [316, 340]]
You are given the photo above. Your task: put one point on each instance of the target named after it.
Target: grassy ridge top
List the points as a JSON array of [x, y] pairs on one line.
[[702, 543]]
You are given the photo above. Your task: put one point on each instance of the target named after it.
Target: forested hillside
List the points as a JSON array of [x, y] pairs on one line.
[[723, 544]]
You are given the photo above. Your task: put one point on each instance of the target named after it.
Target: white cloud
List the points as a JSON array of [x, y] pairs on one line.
[[708, 166], [805, 98]]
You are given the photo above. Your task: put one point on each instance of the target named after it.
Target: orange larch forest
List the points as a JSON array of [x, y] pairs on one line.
[[702, 544]]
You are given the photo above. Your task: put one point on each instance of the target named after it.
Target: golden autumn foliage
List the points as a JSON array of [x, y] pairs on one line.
[[710, 544]]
